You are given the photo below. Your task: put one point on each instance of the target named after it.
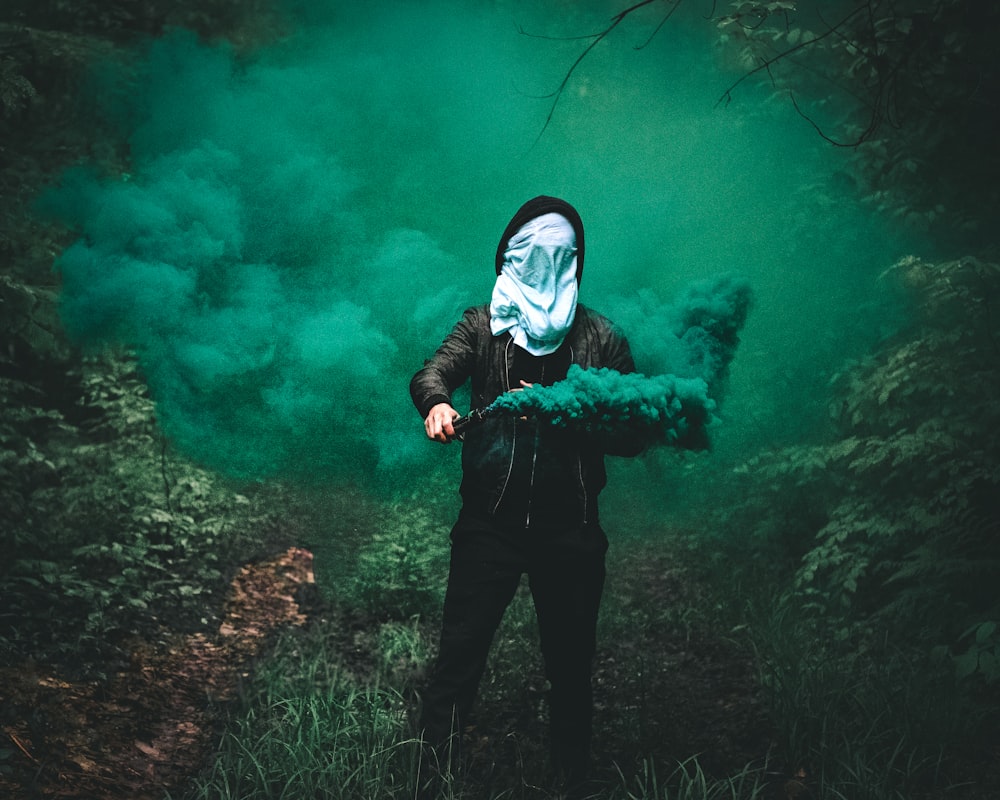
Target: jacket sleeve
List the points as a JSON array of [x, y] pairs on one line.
[[449, 367]]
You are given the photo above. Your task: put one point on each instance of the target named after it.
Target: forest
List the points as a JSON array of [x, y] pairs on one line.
[[231, 230]]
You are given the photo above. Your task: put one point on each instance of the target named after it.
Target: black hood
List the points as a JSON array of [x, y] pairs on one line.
[[535, 208]]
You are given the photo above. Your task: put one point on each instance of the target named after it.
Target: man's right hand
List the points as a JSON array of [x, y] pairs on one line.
[[438, 423]]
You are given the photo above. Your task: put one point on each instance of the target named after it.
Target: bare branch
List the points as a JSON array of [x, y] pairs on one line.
[[663, 22], [530, 35], [864, 136], [768, 63], [597, 39]]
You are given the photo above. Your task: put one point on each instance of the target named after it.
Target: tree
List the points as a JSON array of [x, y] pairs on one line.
[[911, 86]]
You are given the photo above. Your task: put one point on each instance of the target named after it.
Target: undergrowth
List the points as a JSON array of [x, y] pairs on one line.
[[310, 725]]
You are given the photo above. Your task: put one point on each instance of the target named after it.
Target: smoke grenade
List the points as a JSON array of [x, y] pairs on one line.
[[474, 418]]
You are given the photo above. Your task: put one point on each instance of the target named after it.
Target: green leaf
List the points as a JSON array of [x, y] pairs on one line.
[[966, 664], [985, 631], [989, 665]]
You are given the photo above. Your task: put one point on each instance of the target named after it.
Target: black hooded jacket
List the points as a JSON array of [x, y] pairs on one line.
[[523, 472]]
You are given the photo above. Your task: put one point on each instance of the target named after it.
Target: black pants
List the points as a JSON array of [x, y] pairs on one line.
[[566, 575]]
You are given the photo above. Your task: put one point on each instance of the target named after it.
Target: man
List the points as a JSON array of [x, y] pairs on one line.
[[529, 489]]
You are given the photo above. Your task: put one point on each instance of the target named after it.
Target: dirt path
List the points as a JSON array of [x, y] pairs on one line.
[[153, 725], [678, 685]]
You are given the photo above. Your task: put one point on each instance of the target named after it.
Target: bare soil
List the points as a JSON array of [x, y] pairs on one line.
[[152, 725]]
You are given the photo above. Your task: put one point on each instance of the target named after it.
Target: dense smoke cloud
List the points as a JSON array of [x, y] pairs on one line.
[[664, 408], [695, 336], [297, 229], [235, 260], [688, 347]]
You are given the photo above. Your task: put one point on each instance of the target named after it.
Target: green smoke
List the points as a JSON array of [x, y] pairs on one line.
[[233, 260], [696, 336], [664, 408], [690, 344], [296, 230]]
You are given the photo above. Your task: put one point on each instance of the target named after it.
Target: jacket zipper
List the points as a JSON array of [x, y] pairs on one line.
[[534, 455], [513, 440], [579, 466], [534, 460]]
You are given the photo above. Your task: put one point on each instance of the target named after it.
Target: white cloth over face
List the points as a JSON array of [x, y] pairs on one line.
[[536, 292]]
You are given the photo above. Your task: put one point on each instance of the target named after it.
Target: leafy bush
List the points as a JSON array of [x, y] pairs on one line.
[[109, 533], [401, 569], [902, 83], [865, 560], [895, 519]]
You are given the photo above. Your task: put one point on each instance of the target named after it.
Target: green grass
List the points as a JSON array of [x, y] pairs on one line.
[[309, 726], [329, 713], [337, 744], [306, 729], [860, 722], [688, 781]]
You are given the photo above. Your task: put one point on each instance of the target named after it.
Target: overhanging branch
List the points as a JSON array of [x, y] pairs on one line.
[[597, 39]]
